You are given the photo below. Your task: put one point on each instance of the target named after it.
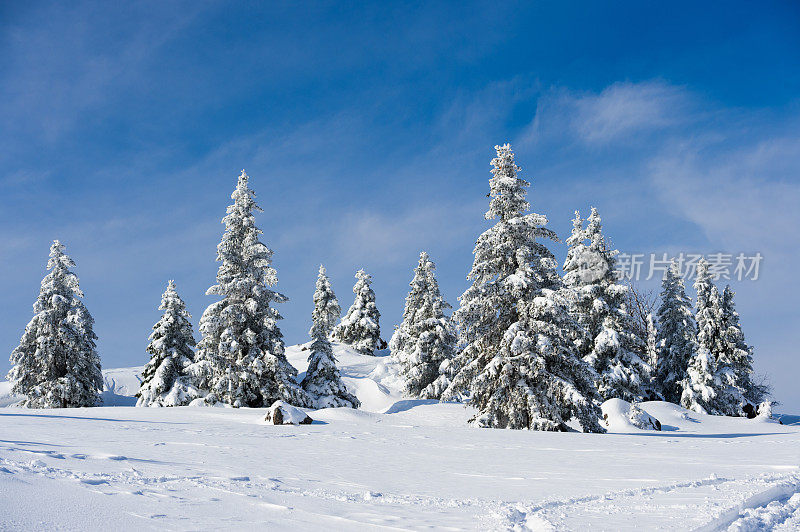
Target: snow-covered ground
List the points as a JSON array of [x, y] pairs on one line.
[[396, 463]]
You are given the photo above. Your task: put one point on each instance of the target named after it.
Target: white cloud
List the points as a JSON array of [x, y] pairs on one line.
[[618, 114], [624, 109]]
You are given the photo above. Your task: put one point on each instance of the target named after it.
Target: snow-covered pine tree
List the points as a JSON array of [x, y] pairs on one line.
[[519, 367], [165, 381], [423, 345], [241, 359], [326, 307], [701, 383], [56, 364], [322, 381], [739, 353], [653, 392], [676, 341], [710, 385], [361, 327], [611, 345]]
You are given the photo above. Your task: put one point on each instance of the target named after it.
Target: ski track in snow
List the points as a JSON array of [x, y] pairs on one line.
[[398, 464], [775, 508]]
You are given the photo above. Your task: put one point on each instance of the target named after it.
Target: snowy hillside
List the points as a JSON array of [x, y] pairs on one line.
[[393, 464]]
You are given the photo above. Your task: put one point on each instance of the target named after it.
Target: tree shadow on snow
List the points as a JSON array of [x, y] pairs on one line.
[[22, 442], [408, 404], [788, 419], [112, 399], [96, 419]]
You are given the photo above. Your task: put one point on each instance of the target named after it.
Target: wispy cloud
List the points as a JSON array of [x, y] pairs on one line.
[[619, 114], [625, 109], [745, 197]]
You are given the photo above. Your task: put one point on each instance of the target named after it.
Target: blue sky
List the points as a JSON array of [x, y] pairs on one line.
[[367, 132]]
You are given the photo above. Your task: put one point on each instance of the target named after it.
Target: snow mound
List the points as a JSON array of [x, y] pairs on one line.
[[123, 381], [346, 415], [367, 377], [621, 416], [408, 404], [6, 397], [282, 413], [120, 386]]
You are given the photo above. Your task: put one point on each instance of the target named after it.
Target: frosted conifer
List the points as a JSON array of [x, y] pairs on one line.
[[360, 327], [326, 307], [165, 381], [56, 364], [423, 344], [739, 353], [519, 367], [676, 341], [241, 359], [652, 389], [322, 381], [611, 346], [651, 352], [711, 385]]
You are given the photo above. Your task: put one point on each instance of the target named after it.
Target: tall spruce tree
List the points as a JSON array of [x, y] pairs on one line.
[[676, 340], [423, 345], [241, 359], [322, 382], [56, 364], [611, 344], [739, 353], [519, 367], [361, 327], [711, 385], [165, 380]]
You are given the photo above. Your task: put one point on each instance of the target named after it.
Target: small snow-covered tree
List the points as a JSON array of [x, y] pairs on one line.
[[611, 344], [322, 381], [56, 364], [738, 352], [676, 340], [165, 381], [326, 307], [423, 345], [652, 335], [519, 367], [711, 383], [361, 327], [240, 358], [701, 384], [652, 389], [641, 305]]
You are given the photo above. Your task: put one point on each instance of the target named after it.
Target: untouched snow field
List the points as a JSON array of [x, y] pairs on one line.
[[394, 464]]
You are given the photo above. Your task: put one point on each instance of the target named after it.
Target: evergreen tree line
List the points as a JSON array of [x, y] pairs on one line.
[[538, 350], [527, 346], [240, 359]]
